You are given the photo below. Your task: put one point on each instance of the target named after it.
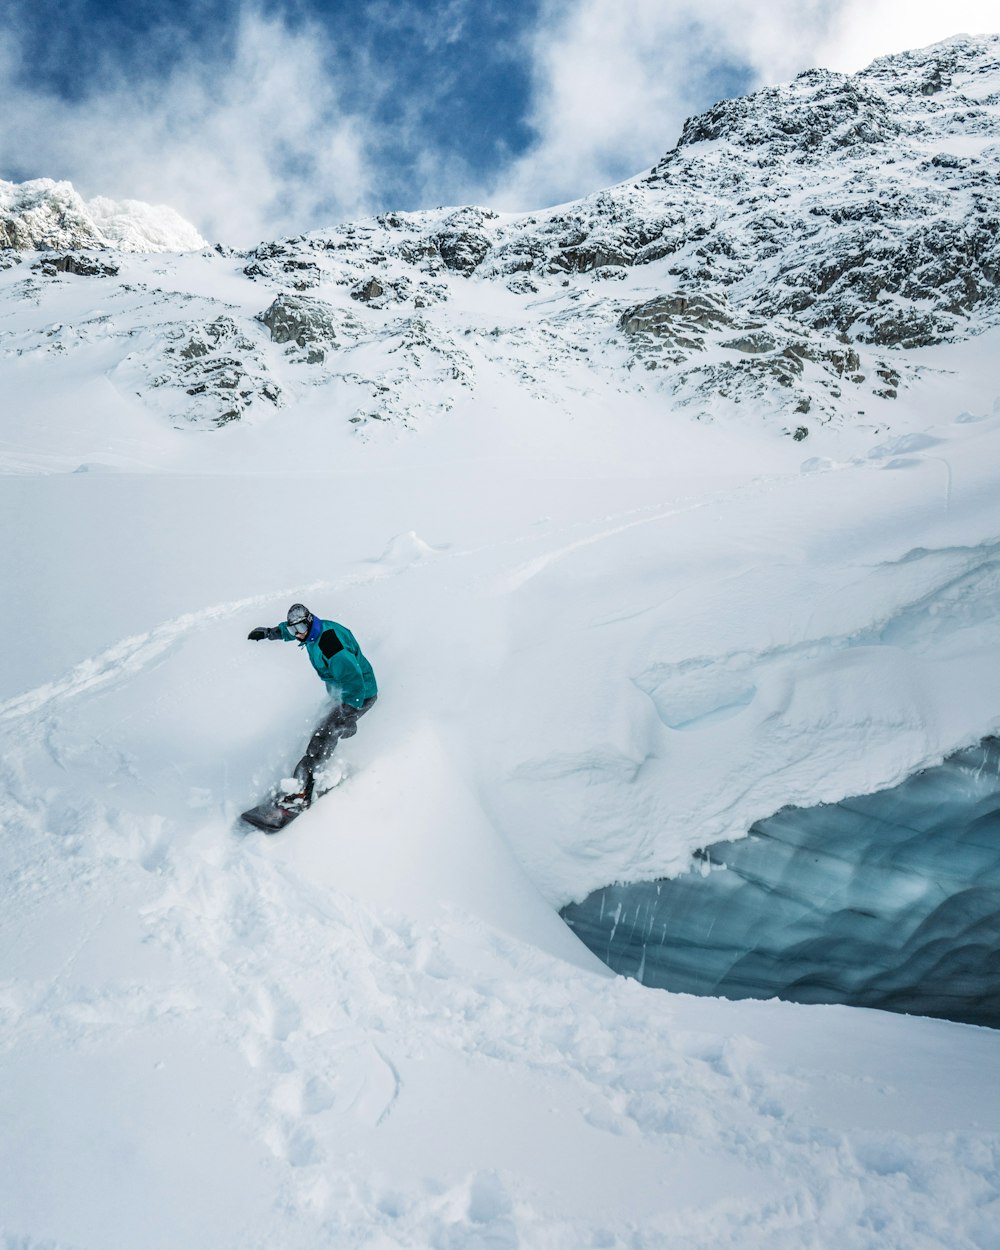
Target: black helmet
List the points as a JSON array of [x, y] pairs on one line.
[[299, 618]]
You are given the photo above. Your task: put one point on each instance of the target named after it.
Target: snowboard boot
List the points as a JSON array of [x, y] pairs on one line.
[[297, 800], [294, 802]]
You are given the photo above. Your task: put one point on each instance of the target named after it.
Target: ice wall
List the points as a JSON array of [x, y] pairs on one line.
[[891, 900]]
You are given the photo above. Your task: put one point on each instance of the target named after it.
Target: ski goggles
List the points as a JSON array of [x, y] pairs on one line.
[[298, 627]]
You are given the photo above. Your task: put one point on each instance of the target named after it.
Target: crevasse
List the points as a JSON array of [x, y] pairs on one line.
[[891, 900]]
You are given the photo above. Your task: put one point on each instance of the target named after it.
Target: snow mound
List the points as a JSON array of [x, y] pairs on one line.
[[421, 816], [406, 549]]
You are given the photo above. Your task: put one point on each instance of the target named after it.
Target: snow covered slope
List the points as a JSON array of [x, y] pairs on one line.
[[606, 633]]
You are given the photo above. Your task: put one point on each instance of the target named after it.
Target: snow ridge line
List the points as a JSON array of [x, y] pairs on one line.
[[649, 514], [531, 568], [130, 655]]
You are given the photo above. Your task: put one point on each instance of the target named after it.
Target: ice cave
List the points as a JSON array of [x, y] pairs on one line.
[[890, 900]]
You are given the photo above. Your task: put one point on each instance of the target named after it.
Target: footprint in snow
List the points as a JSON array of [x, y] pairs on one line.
[[279, 1015]]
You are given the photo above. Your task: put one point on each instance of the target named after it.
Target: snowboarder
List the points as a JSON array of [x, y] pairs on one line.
[[348, 677]]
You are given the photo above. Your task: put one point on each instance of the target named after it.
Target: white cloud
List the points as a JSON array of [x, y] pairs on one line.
[[245, 148], [865, 29], [614, 80]]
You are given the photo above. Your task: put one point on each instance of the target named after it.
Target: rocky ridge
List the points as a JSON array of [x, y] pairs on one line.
[[789, 256]]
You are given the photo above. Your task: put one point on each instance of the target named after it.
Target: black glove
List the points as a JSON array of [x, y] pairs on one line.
[[257, 635]]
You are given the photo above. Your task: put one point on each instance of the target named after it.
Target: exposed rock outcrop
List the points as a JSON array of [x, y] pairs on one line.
[[81, 264], [304, 322]]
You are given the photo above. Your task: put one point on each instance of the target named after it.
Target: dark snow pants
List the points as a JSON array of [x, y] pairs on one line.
[[342, 722]]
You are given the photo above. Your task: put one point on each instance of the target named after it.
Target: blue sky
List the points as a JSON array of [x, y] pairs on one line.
[[455, 70], [260, 117]]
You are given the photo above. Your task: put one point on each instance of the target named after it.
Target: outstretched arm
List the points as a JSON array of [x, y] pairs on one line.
[[264, 631]]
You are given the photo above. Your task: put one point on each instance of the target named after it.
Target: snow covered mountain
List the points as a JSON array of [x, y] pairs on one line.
[[783, 262], [48, 215], [657, 514]]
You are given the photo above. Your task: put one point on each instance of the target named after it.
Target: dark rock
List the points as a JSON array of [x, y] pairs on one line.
[[584, 259], [463, 250], [819, 113], [753, 344], [304, 274], [844, 361], [463, 242], [218, 365], [893, 326], [368, 290], [277, 261], [419, 251], [268, 251], [677, 319], [81, 265], [304, 321]]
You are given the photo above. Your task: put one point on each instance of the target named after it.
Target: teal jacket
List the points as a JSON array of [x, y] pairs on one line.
[[336, 656]]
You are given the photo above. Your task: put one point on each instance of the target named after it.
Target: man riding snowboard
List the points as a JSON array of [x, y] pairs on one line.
[[348, 677]]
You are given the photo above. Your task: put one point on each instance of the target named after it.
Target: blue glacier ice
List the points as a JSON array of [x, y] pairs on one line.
[[891, 900]]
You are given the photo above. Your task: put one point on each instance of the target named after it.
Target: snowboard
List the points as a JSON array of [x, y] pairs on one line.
[[271, 816]]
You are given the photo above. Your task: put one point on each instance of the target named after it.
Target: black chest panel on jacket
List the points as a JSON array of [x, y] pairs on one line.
[[329, 643]]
